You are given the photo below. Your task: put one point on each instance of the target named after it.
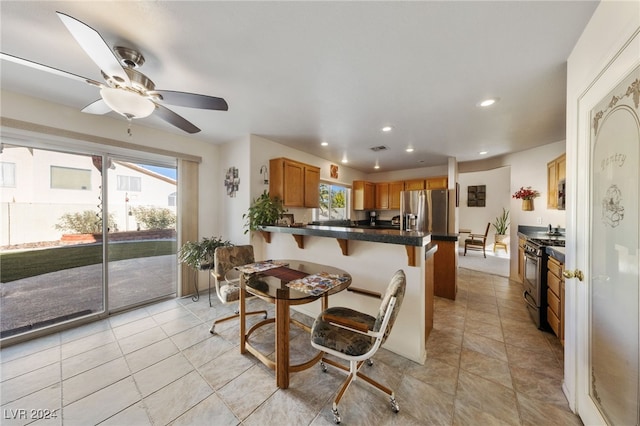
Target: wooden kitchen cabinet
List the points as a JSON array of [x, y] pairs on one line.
[[521, 243], [395, 188], [439, 182], [382, 196], [556, 171], [555, 297], [363, 195], [414, 184], [296, 184]]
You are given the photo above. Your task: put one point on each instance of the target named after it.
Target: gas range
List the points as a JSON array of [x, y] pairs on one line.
[[537, 241]]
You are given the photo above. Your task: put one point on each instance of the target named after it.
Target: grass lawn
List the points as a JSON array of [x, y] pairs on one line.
[[18, 265]]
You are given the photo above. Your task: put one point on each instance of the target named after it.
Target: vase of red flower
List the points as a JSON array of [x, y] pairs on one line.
[[526, 195]]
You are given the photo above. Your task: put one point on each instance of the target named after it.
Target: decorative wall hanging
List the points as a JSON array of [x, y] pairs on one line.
[[476, 196], [232, 181], [333, 171]]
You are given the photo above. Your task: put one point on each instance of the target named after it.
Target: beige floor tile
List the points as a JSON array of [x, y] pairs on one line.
[[136, 415], [163, 405], [90, 359], [243, 403], [207, 350], [213, 409], [93, 409], [225, 368], [142, 339], [25, 384], [19, 366], [425, 402], [485, 345], [159, 375], [486, 367], [486, 396], [83, 384], [150, 355]]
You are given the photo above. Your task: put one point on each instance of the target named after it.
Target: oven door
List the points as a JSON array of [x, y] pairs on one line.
[[532, 289], [532, 277]]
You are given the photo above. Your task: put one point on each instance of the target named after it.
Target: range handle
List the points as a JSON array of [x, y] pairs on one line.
[[524, 295]]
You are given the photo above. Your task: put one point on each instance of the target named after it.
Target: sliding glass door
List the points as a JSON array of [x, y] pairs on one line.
[[82, 234], [51, 251], [142, 263]]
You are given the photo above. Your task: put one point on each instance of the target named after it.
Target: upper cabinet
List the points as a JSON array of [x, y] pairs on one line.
[[364, 194], [440, 182], [386, 195], [414, 184], [297, 184], [556, 171]]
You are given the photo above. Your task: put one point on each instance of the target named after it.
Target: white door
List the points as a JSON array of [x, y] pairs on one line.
[[607, 244]]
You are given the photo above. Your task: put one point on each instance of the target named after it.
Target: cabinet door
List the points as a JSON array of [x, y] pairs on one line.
[[311, 186], [395, 188], [293, 184], [552, 185], [412, 185], [561, 164], [521, 242], [437, 182], [363, 195], [382, 196]]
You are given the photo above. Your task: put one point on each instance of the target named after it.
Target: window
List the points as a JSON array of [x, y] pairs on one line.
[[70, 178], [7, 175], [129, 183], [334, 203], [172, 199]]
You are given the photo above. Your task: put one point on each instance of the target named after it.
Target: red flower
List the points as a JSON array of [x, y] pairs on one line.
[[526, 193]]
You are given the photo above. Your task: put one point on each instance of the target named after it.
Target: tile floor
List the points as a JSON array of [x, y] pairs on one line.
[[487, 364]]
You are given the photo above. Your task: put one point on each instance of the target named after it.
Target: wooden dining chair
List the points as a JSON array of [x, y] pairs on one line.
[[477, 242], [355, 337], [227, 280]]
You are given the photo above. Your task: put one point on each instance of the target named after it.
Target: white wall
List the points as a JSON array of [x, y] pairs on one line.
[[497, 182], [230, 209]]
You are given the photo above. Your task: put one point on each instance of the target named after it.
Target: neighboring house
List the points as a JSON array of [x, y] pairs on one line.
[[37, 187]]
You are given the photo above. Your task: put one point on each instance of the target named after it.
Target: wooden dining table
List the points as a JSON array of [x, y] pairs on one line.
[[286, 283]]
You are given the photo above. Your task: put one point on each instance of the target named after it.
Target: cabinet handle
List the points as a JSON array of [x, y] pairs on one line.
[[574, 274]]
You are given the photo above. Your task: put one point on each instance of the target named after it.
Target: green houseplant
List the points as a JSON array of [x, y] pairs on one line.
[[199, 254], [501, 224], [264, 210]]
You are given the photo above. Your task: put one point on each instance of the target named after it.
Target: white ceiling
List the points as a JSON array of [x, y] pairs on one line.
[[304, 72]]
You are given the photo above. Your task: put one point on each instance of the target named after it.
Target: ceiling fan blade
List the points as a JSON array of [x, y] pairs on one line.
[[51, 70], [95, 46], [174, 119], [192, 100], [98, 107]]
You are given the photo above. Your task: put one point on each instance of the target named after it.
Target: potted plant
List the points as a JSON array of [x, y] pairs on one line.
[[501, 224], [199, 254], [264, 210]]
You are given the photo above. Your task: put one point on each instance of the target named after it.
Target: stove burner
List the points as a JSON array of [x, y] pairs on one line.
[[547, 242]]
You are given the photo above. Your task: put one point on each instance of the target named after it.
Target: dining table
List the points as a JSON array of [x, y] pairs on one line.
[[285, 283]]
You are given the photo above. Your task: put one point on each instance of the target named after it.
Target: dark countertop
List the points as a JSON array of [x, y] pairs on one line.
[[377, 235], [556, 252], [444, 237]]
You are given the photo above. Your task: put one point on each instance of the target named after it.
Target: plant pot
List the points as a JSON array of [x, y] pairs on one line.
[[527, 205], [499, 238]]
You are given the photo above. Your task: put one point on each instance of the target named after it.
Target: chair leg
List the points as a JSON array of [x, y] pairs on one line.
[[355, 366]]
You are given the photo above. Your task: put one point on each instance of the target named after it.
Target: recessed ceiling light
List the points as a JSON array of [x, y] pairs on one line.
[[344, 160], [324, 143], [488, 102], [483, 153], [387, 128], [377, 166], [410, 149]]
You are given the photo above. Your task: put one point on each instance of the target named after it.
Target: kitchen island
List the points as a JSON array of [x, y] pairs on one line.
[[371, 256]]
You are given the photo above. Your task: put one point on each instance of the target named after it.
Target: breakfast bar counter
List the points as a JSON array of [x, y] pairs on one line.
[[371, 256]]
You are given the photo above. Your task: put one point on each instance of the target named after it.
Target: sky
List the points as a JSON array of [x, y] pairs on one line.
[[164, 171]]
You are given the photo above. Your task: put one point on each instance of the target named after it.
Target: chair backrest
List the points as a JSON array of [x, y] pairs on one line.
[[486, 231], [227, 258], [396, 288]]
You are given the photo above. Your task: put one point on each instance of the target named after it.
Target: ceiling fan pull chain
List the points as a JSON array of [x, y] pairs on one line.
[[129, 127]]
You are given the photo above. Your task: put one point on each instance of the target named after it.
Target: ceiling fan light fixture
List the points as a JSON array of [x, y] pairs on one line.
[[127, 103]]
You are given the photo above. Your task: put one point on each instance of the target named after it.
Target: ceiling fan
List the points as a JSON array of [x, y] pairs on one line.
[[127, 91]]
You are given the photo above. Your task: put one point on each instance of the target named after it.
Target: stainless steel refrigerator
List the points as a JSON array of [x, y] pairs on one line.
[[425, 210]]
